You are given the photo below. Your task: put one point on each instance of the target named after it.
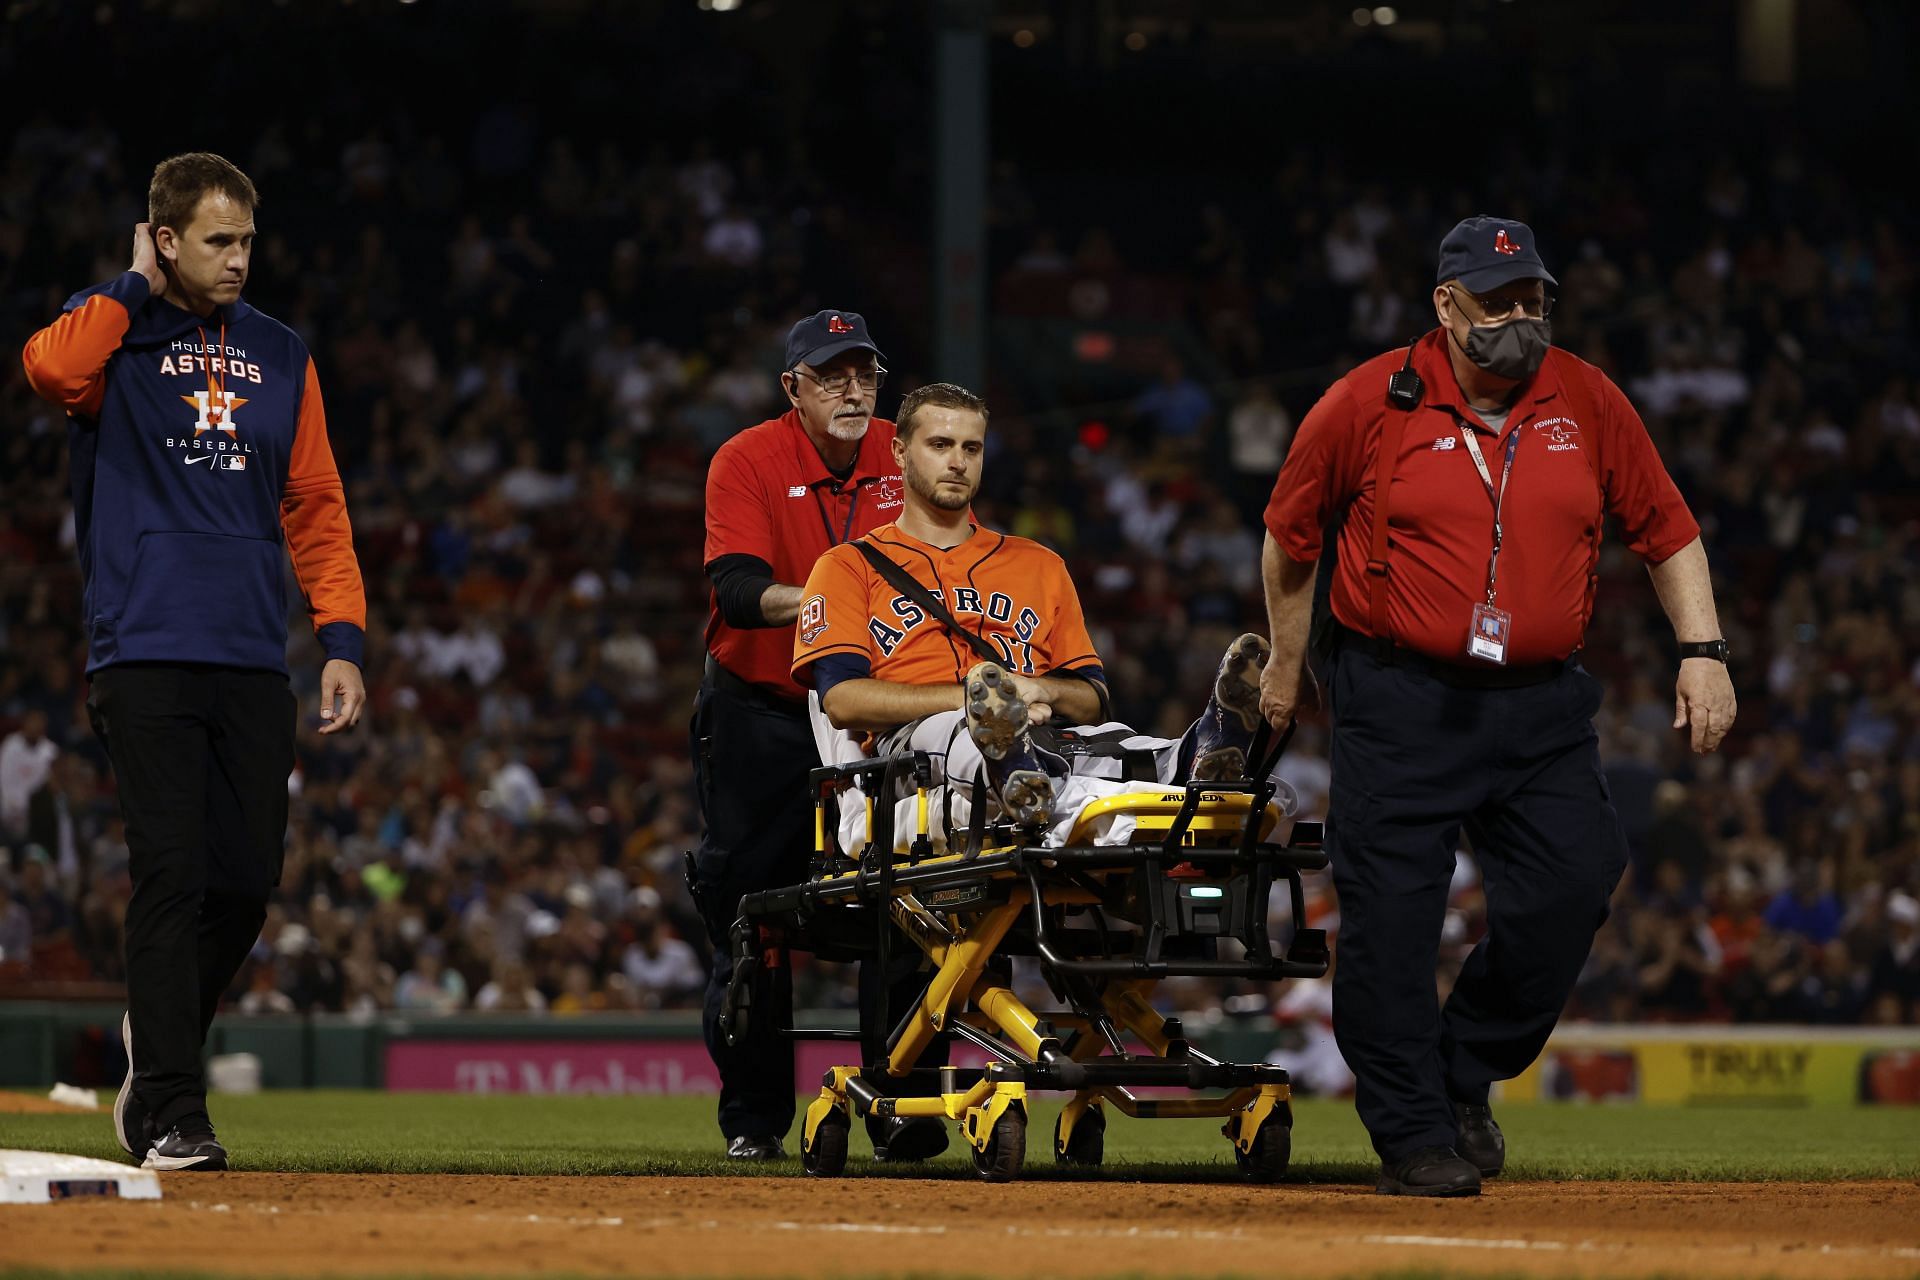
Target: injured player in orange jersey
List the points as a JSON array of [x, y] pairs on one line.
[[934, 634]]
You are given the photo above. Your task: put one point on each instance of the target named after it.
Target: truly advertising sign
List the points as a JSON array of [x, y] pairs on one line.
[[1698, 1066]]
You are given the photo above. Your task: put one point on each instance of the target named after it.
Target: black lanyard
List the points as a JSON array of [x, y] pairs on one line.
[[853, 505], [1497, 498]]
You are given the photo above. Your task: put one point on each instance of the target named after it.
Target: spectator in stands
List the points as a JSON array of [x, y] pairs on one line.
[[26, 760], [1807, 909], [1895, 975]]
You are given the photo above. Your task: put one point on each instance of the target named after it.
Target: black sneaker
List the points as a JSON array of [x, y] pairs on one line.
[[1481, 1141], [754, 1147], [1225, 729], [188, 1145], [998, 724], [129, 1115], [906, 1138], [1430, 1171]]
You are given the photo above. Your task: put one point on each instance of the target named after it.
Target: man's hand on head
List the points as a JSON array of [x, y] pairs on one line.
[[343, 695], [146, 259]]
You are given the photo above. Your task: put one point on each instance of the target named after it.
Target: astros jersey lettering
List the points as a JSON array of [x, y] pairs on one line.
[[198, 444], [1012, 592]]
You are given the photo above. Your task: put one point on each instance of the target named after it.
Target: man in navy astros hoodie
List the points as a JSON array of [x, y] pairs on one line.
[[199, 446]]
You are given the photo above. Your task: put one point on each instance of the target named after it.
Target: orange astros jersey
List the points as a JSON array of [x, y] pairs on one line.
[[1012, 592]]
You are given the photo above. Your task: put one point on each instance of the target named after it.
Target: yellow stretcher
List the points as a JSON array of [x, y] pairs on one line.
[[1196, 873]]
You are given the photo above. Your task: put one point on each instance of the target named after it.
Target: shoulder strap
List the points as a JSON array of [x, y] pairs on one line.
[[1393, 425], [903, 582]]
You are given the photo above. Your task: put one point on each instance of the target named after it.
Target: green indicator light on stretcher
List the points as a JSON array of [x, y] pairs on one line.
[[1205, 891]]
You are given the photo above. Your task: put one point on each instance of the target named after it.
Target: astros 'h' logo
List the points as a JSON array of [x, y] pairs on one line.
[[216, 414]]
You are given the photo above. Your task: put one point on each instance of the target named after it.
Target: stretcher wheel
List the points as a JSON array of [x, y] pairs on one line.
[[827, 1156], [1088, 1143], [1272, 1147], [1006, 1150]]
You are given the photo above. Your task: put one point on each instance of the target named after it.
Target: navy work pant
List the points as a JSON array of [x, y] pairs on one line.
[[751, 755], [200, 759], [1413, 761]]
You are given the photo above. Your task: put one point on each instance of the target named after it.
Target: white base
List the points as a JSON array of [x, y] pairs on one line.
[[41, 1177]]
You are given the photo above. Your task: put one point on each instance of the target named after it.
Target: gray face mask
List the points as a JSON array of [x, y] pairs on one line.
[[1511, 350]]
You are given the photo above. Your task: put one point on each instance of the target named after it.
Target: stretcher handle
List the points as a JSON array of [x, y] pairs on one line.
[[1269, 761]]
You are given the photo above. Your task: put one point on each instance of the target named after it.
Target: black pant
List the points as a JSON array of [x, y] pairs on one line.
[[751, 755], [200, 757], [1413, 760]]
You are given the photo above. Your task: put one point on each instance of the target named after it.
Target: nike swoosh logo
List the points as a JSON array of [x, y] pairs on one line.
[[202, 458]]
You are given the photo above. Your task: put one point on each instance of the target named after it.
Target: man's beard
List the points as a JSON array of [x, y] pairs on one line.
[[929, 489], [849, 427]]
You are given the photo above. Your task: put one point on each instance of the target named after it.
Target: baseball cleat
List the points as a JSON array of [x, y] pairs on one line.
[[996, 715], [188, 1145], [129, 1116], [998, 723], [1225, 729]]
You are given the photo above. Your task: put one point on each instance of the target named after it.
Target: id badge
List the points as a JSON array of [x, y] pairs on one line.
[[1487, 641]]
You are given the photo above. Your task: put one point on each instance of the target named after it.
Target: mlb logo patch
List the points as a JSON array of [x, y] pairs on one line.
[[233, 462]]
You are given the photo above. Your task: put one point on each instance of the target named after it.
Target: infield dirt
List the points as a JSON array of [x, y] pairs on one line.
[[311, 1224]]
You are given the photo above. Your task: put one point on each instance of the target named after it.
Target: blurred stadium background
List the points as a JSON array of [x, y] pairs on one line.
[[545, 255]]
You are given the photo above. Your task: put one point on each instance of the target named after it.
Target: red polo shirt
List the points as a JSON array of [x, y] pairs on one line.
[[770, 495], [1567, 471]]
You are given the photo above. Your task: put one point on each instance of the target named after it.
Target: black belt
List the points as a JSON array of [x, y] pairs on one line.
[[1458, 675], [759, 694]]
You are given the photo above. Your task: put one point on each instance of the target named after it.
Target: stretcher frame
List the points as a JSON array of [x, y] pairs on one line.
[[1199, 869]]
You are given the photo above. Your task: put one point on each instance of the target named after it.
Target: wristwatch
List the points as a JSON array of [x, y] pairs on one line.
[[1715, 649]]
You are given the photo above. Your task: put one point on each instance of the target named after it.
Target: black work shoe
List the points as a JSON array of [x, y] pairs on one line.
[[188, 1145], [1430, 1171], [129, 1115], [1481, 1142], [998, 724], [752, 1147], [1225, 729], [906, 1138]]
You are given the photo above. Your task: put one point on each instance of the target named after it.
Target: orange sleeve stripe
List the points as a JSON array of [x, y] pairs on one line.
[[313, 511], [66, 362]]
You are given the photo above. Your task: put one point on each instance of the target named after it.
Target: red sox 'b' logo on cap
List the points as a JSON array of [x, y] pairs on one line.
[[1503, 245], [837, 325]]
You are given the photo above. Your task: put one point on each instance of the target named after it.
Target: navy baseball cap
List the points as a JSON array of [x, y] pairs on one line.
[[1484, 253], [825, 334]]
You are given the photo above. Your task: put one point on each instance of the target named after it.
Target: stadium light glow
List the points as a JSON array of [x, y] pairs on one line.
[[1363, 17], [1386, 15]]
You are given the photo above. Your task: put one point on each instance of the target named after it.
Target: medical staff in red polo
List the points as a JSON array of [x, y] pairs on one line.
[[778, 496], [1464, 482], [200, 466]]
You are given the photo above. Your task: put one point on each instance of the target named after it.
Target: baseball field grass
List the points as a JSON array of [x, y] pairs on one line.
[[366, 1132]]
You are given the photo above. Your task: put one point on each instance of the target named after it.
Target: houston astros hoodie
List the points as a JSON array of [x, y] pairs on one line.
[[197, 442]]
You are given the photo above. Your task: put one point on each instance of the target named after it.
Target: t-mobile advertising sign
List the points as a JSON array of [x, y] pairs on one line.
[[592, 1066]]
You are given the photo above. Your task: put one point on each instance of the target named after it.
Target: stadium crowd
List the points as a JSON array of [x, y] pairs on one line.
[[530, 343]]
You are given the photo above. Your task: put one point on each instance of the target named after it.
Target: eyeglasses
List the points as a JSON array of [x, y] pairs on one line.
[[1498, 308], [836, 384]]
